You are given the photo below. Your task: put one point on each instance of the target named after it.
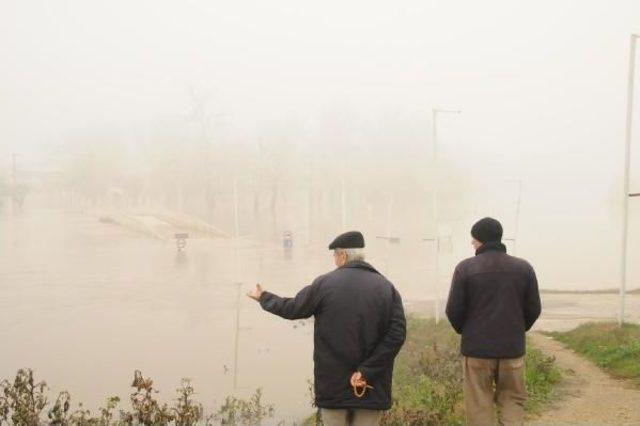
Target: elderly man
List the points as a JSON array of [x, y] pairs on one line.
[[359, 329], [493, 301]]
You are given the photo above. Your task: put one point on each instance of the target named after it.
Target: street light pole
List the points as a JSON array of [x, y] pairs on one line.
[[627, 162], [517, 224], [343, 202], [436, 184]]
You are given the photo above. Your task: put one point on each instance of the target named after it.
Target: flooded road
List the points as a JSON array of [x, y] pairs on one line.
[[565, 311], [561, 311], [85, 304]]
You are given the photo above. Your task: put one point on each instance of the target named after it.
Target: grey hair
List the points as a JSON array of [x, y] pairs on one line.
[[352, 253]]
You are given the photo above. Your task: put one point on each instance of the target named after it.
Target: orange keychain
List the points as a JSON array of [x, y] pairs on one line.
[[361, 393]]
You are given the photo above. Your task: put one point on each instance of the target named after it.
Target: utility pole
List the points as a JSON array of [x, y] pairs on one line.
[[388, 238], [515, 234], [516, 227], [237, 342], [238, 284], [436, 184], [309, 208], [627, 162], [389, 213], [343, 200]]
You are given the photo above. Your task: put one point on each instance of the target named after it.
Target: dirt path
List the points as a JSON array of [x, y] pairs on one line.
[[590, 396]]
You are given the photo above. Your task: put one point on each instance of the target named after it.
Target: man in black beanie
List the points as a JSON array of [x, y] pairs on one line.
[[359, 328], [493, 301]]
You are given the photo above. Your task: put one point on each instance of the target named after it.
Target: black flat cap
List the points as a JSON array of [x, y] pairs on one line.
[[487, 230], [351, 239]]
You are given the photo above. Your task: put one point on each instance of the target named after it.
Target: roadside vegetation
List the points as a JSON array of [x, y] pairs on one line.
[[616, 349], [428, 377], [24, 402], [427, 380], [427, 390]]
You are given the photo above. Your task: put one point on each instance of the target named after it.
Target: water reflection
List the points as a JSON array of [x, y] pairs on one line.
[[182, 261]]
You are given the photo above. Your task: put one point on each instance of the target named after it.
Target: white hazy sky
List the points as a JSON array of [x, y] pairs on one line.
[[542, 85]]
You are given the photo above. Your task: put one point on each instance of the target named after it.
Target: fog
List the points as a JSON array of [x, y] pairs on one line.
[[123, 123]]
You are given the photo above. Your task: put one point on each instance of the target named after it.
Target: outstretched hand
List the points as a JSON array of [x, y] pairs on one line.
[[256, 292]]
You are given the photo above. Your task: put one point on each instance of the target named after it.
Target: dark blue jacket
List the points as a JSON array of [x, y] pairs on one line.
[[359, 326], [493, 301]]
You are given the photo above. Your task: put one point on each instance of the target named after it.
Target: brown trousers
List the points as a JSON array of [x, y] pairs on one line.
[[489, 381]]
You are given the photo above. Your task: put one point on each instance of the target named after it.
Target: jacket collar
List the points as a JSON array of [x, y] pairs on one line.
[[360, 264], [491, 246]]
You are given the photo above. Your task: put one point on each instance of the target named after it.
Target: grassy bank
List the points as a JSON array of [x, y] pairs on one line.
[[428, 377], [613, 348]]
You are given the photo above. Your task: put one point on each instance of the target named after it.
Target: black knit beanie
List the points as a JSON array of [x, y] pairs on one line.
[[487, 230]]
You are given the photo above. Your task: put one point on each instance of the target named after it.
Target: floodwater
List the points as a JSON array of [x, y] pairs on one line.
[[565, 311], [560, 311], [86, 303]]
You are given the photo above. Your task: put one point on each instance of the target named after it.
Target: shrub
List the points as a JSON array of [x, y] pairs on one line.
[[23, 401], [247, 413]]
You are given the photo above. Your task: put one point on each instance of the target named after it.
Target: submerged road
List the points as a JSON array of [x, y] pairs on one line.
[[85, 303]]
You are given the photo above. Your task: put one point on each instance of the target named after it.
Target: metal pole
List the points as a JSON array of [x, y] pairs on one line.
[[436, 184], [515, 233], [627, 161], [436, 268], [237, 343], [308, 215], [389, 211], [238, 284], [343, 198], [436, 281], [236, 227]]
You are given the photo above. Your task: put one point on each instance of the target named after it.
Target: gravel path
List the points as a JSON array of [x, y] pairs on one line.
[[589, 395]]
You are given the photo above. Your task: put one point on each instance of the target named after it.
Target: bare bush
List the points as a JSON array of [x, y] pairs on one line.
[[23, 402]]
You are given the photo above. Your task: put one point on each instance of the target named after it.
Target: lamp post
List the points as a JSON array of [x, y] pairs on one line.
[[238, 274], [436, 184], [627, 161]]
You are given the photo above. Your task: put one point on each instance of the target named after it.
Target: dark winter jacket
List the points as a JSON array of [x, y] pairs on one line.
[[493, 300], [359, 326]]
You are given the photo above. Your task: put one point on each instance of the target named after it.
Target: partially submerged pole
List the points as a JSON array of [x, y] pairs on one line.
[[238, 284], [436, 183], [237, 342]]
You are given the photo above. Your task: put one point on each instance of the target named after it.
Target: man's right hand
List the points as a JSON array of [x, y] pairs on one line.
[[256, 292]]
